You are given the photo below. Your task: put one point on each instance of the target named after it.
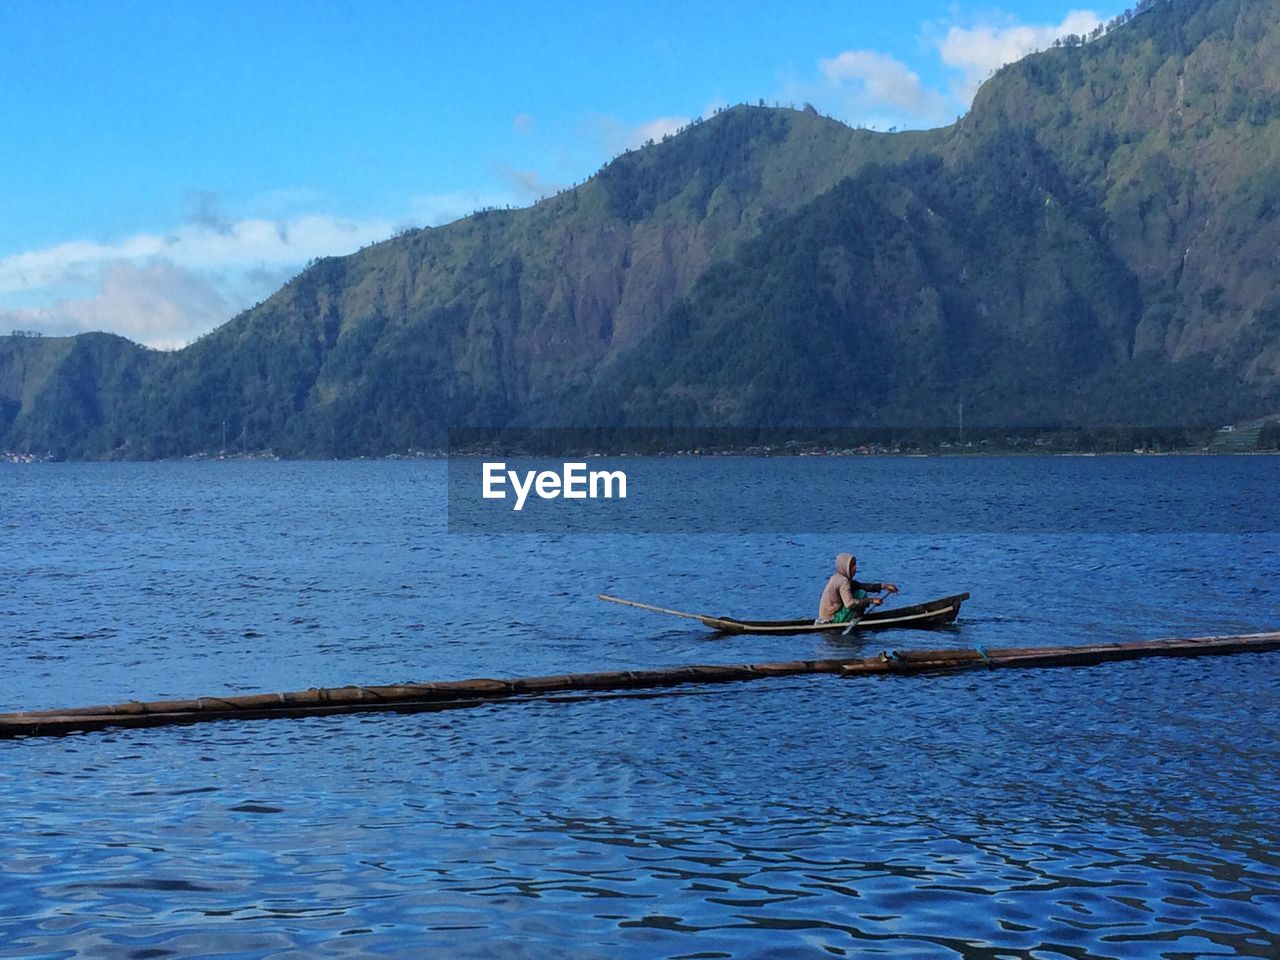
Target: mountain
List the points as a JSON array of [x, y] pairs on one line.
[[1170, 130], [65, 394], [1093, 243]]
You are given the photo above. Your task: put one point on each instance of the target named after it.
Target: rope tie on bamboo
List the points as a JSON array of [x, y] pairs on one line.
[[982, 652], [892, 658]]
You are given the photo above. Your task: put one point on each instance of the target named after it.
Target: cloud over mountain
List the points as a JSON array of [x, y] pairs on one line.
[[864, 86], [166, 288], [875, 81], [978, 51]]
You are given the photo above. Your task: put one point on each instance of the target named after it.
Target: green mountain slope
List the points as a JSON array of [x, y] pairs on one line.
[[1095, 242], [1171, 128], [905, 289], [64, 394], [473, 322]]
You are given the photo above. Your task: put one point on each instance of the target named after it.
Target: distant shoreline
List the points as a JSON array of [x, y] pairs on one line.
[[7, 457]]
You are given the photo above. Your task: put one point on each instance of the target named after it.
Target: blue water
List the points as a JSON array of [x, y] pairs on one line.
[[1130, 810]]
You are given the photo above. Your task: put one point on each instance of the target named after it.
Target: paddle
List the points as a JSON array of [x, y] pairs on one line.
[[854, 621], [858, 619]]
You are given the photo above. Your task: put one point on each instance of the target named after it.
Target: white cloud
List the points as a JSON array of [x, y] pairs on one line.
[[195, 246], [869, 87], [657, 129], [158, 303], [875, 81], [614, 136], [166, 288], [977, 51]]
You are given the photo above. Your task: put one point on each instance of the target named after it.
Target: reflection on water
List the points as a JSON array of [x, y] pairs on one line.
[[1122, 811]]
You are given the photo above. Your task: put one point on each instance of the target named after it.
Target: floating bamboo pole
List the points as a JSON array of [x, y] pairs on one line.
[[417, 697]]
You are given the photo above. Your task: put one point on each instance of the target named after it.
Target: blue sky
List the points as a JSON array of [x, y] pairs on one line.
[[168, 164]]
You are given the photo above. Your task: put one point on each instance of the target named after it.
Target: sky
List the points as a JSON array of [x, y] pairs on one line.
[[166, 165]]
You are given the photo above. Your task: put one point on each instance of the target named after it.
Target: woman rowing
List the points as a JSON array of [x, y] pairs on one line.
[[844, 598]]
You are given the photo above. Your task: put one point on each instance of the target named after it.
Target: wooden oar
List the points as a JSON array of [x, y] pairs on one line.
[[858, 619], [855, 621], [648, 606]]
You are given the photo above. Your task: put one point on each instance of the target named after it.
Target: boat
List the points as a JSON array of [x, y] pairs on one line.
[[932, 613]]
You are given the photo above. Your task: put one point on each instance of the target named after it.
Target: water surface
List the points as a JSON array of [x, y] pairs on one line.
[[1123, 811]]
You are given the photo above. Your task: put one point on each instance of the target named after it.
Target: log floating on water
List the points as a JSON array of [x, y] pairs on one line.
[[417, 697]]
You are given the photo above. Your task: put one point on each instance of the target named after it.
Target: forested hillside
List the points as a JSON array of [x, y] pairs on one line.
[[1095, 242]]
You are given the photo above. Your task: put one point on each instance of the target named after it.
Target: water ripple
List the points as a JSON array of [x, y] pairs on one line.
[[1127, 811]]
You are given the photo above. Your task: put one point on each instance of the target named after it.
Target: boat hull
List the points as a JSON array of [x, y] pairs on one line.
[[920, 616]]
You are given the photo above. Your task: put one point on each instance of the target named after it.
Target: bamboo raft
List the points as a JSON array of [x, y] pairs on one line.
[[418, 697]]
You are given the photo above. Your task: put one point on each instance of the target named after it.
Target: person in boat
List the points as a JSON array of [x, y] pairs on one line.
[[844, 598]]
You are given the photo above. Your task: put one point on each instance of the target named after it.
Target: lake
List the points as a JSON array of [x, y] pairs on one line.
[[1128, 810]]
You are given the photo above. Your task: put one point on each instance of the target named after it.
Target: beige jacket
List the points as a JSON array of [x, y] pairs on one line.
[[841, 590]]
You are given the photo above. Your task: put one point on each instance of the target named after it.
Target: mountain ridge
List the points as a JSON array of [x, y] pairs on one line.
[[1093, 241]]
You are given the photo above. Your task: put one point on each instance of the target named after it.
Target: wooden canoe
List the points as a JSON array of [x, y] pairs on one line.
[[933, 613]]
